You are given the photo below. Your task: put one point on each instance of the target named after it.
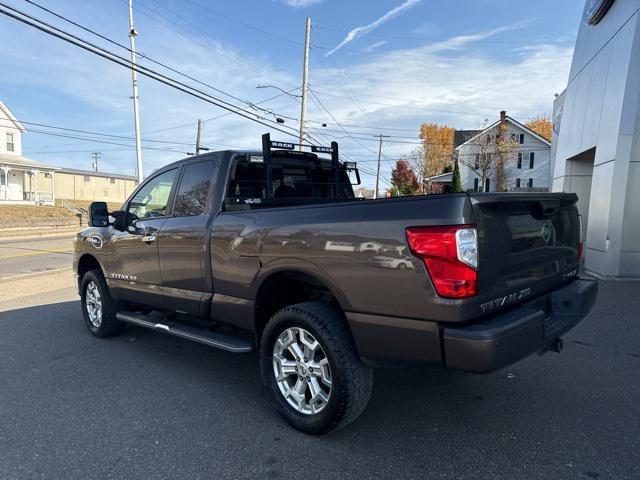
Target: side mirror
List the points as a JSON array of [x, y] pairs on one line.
[[98, 214]]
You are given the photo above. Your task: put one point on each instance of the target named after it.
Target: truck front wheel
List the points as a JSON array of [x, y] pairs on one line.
[[98, 309], [311, 368]]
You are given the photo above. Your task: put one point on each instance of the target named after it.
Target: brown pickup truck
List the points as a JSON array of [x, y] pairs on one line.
[[271, 251]]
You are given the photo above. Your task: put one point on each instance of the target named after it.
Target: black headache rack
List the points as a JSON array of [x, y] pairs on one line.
[[288, 149]]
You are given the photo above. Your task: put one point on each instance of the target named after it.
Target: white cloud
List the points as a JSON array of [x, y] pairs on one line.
[[365, 29], [373, 46], [460, 41], [400, 89], [300, 3]]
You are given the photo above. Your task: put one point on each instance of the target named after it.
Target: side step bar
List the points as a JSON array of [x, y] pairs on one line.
[[212, 339]]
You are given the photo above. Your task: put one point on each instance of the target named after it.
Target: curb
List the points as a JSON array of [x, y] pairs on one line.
[[34, 274], [32, 236]]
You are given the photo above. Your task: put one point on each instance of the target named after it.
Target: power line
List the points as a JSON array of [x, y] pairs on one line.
[[93, 140], [190, 124], [108, 55], [100, 133], [138, 54], [234, 55], [349, 93], [313, 95], [413, 105], [244, 24]]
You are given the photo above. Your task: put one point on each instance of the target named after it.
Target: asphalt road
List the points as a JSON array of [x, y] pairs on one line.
[[28, 256], [144, 405]]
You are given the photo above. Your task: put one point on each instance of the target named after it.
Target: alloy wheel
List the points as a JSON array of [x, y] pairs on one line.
[[302, 371], [93, 303]]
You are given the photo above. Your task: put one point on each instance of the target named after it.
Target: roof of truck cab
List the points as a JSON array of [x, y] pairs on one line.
[[204, 156]]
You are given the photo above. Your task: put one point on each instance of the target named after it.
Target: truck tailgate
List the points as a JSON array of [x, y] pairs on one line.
[[528, 243]]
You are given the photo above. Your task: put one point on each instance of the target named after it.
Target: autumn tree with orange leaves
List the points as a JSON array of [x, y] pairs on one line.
[[542, 126], [435, 153]]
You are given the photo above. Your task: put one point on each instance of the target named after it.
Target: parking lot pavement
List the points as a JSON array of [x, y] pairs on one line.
[[30, 256], [144, 405]]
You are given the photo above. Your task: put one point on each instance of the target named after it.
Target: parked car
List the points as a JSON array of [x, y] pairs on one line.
[[394, 262], [201, 251]]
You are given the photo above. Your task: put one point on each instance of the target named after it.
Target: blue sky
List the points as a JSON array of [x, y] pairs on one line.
[[375, 66]]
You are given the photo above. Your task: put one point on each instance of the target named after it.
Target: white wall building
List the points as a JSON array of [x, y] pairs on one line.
[[526, 167], [597, 136], [21, 180]]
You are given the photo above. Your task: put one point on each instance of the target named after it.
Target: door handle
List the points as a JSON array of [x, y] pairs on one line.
[[149, 239]]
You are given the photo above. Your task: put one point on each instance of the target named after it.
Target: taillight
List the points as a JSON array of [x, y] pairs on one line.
[[451, 257]]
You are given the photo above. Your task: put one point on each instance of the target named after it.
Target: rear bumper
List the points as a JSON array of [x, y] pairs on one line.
[[485, 346], [514, 335]]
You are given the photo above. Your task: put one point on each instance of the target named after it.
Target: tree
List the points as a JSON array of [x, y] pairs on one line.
[[542, 126], [435, 152], [403, 179], [456, 184], [491, 150]]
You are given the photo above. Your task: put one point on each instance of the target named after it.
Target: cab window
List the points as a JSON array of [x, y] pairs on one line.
[[152, 199], [311, 180], [193, 190]]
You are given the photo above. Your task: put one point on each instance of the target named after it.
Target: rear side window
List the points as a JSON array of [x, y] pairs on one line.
[[193, 190], [296, 180]]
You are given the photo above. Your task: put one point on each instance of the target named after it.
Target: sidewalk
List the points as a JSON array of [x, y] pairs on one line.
[[31, 233]]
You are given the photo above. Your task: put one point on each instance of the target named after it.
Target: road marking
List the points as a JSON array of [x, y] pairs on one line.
[[39, 273], [36, 252]]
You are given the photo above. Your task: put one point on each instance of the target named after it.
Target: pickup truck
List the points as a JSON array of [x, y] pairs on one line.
[[270, 251]]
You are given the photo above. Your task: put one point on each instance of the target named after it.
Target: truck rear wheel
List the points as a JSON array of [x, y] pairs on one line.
[[311, 368], [98, 309]]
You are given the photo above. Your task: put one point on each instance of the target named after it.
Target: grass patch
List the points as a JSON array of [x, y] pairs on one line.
[[21, 212]]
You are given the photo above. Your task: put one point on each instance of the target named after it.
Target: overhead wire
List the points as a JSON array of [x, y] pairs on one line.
[[108, 55]]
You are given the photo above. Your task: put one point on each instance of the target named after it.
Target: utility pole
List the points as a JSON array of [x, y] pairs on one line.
[[134, 84], [198, 131], [377, 191], [305, 73], [95, 156]]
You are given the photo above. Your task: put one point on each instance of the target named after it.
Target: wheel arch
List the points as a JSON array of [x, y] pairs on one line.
[[85, 263], [287, 285]]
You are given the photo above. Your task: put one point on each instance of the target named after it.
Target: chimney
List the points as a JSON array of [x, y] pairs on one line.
[[503, 115]]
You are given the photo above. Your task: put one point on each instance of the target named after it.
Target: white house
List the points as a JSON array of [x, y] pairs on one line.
[[21, 180], [526, 166]]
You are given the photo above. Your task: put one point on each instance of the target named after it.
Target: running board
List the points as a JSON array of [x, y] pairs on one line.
[[199, 335]]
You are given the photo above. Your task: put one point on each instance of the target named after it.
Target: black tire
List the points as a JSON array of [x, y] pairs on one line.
[[351, 380], [109, 324]]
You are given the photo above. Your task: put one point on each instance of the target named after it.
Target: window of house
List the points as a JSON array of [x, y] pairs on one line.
[[487, 185], [476, 183], [519, 159], [521, 139], [10, 144], [517, 183], [531, 159], [47, 175], [112, 180], [193, 190], [87, 178], [530, 183], [476, 165]]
